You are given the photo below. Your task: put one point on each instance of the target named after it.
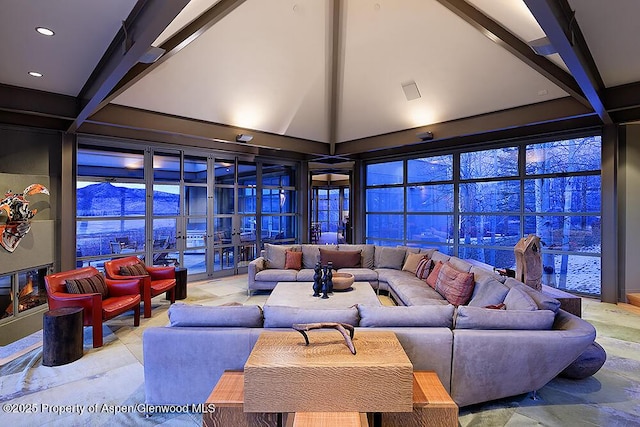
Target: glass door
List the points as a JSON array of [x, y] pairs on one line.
[[166, 244], [196, 211]]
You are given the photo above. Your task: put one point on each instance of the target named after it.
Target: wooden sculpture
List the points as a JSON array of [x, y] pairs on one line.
[[529, 261]]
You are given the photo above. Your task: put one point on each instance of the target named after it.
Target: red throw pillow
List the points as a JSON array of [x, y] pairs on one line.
[[433, 276], [456, 286], [341, 259], [292, 260]]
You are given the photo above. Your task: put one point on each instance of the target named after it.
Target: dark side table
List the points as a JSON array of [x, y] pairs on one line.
[[62, 336], [181, 283]]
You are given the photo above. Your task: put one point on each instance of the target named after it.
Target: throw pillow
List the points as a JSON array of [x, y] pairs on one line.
[[424, 268], [340, 259], [90, 285], [456, 286], [412, 261], [386, 257], [292, 260], [433, 276], [133, 270], [487, 292], [275, 255], [517, 299]]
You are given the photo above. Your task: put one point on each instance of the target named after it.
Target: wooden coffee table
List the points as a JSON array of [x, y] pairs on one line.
[[282, 374]]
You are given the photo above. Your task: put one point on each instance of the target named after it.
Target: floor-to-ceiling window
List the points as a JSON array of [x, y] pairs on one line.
[[174, 207], [479, 203]]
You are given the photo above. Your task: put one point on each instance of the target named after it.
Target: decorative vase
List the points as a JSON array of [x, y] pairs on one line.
[[329, 277]]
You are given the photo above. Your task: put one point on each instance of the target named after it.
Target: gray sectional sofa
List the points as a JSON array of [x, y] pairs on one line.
[[479, 354]]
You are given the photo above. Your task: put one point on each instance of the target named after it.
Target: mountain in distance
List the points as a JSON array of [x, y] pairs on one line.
[[105, 199]]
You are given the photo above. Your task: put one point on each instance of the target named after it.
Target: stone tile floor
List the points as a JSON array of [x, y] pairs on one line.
[[110, 379]]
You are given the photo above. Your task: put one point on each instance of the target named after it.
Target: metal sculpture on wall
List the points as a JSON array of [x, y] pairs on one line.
[[16, 209]]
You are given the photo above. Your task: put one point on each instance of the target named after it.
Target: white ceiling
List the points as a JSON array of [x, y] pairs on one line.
[[267, 65]]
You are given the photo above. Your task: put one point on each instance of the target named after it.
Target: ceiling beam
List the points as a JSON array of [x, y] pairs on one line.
[[335, 73], [504, 38], [145, 23], [519, 117], [559, 24], [175, 44], [38, 103], [622, 97], [119, 116]]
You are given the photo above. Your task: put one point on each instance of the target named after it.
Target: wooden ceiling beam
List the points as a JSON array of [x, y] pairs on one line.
[[37, 103], [559, 24], [143, 26]]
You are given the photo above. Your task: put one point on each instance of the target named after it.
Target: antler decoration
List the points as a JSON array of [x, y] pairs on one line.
[[303, 328]]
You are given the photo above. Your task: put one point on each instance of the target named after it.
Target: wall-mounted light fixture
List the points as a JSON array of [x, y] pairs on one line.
[[243, 137]]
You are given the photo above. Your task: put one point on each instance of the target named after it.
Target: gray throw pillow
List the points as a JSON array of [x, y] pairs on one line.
[[517, 299], [543, 301], [488, 292], [387, 257]]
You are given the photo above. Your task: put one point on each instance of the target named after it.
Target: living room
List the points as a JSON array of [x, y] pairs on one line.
[[156, 143]]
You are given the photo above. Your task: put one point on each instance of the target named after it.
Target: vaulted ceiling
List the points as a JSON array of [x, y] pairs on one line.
[[326, 78]]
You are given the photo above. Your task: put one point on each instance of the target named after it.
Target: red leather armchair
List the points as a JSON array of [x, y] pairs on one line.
[[159, 279], [123, 296]]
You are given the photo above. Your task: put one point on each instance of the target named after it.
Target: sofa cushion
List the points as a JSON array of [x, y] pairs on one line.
[[275, 254], [433, 276], [361, 274], [517, 299], [488, 292], [246, 316], [543, 301], [88, 285], [367, 253], [423, 268], [439, 256], [133, 270], [456, 286], [485, 318], [276, 316], [277, 275], [341, 259], [411, 316], [293, 260], [482, 274], [460, 264], [387, 257], [311, 254], [411, 261], [305, 275]]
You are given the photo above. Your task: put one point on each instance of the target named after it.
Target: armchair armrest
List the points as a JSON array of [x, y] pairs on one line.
[[158, 273]]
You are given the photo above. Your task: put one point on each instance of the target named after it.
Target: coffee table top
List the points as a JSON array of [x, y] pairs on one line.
[[300, 294]]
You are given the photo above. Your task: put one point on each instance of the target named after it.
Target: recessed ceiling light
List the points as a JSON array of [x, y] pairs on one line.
[[35, 74], [44, 31]]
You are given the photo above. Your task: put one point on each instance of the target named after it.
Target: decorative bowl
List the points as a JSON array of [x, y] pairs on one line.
[[342, 281]]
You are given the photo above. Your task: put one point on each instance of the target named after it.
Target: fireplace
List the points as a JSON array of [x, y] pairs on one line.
[[22, 291]]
